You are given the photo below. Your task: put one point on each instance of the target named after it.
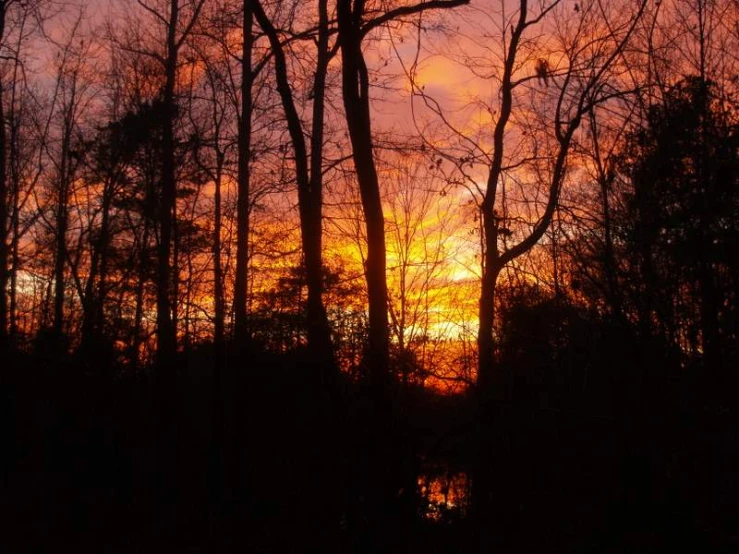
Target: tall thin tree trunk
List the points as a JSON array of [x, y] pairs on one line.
[[12, 166], [605, 181], [92, 317], [4, 253], [241, 330], [355, 92], [220, 462], [309, 177], [165, 383], [15, 259], [166, 338], [319, 333], [104, 249], [138, 318], [62, 222], [218, 292]]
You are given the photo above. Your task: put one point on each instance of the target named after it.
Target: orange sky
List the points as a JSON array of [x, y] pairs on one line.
[[432, 231]]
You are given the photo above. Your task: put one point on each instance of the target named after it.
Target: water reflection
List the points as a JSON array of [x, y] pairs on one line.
[[444, 496]]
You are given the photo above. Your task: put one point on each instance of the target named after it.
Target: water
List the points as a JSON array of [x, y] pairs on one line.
[[444, 496]]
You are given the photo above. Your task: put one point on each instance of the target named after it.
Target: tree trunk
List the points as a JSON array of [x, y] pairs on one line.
[[4, 254], [4, 211], [241, 330], [218, 294], [319, 333], [62, 219], [15, 259], [95, 287], [165, 381], [138, 319], [12, 166], [309, 177], [379, 472], [166, 338], [355, 92]]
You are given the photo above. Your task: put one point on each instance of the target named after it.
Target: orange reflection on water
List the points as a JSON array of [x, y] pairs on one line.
[[445, 497]]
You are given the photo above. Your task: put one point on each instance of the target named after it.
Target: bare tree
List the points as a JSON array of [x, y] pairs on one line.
[[309, 172], [18, 22], [424, 225], [174, 21], [356, 20], [248, 74], [71, 102], [555, 63], [4, 230]]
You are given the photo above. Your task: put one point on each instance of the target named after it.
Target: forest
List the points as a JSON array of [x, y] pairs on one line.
[[370, 276]]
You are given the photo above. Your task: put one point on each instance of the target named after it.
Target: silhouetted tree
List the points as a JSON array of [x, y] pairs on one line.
[[248, 74], [309, 171], [353, 26], [681, 221], [71, 104]]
